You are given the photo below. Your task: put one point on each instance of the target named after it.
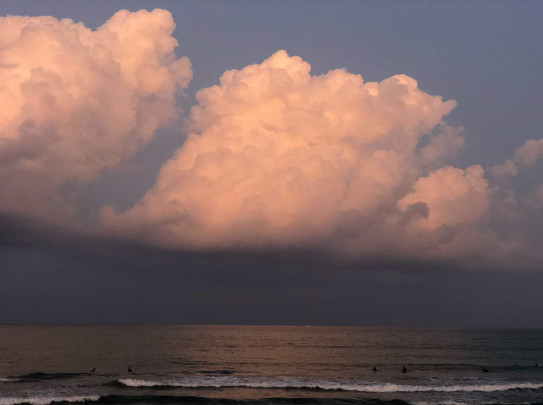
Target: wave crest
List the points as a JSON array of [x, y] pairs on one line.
[[47, 400], [293, 383]]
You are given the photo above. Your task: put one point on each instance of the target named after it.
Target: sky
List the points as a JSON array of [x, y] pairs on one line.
[[332, 163]]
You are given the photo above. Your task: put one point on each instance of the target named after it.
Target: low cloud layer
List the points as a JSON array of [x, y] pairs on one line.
[[279, 158], [74, 101]]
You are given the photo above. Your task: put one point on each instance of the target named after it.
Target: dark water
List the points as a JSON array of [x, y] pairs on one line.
[[268, 365]]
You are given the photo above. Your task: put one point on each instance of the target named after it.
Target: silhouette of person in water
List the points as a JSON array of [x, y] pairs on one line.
[[485, 370], [404, 370], [93, 370], [129, 369], [374, 369]]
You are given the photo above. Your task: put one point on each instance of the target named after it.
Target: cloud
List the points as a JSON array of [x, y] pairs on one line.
[[279, 158], [529, 153], [448, 192], [74, 101], [525, 156], [505, 170], [442, 146]]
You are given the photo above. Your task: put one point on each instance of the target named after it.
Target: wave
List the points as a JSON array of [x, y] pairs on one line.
[[448, 402], [293, 383], [216, 372], [42, 400], [8, 379], [167, 399], [47, 376]]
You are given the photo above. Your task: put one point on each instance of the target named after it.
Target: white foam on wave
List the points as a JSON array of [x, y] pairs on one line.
[[8, 379], [287, 382], [47, 400], [442, 388]]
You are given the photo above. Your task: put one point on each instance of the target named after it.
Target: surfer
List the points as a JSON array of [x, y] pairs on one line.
[[404, 370], [485, 370], [129, 369], [374, 369]]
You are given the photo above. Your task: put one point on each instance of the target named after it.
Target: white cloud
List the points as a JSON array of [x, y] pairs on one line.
[[525, 156], [277, 157], [453, 196], [75, 101], [529, 153]]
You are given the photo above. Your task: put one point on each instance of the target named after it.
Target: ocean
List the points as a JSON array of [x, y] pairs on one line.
[[269, 365]]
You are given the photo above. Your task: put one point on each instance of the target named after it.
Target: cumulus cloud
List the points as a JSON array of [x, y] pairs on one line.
[[453, 196], [74, 101], [278, 157], [519, 202], [505, 170], [529, 153], [525, 156], [443, 146]]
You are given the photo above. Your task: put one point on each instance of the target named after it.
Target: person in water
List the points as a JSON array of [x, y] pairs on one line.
[[129, 369], [404, 370], [374, 369]]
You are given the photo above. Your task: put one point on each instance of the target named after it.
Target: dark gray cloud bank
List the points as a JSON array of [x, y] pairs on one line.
[[50, 276]]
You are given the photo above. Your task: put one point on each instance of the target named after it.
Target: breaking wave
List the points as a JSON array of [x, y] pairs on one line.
[[48, 376], [45, 400], [293, 383], [8, 379], [166, 399]]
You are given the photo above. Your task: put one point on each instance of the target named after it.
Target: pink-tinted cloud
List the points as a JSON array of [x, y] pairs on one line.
[[453, 196], [74, 101], [529, 153], [442, 146], [278, 157], [525, 156]]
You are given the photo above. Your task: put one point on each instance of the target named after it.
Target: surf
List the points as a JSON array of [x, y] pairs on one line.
[[293, 383]]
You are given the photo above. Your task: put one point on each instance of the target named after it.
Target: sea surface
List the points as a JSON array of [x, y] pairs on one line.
[[269, 365]]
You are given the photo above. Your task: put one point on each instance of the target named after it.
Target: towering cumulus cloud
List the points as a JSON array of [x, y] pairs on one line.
[[74, 101], [277, 157]]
